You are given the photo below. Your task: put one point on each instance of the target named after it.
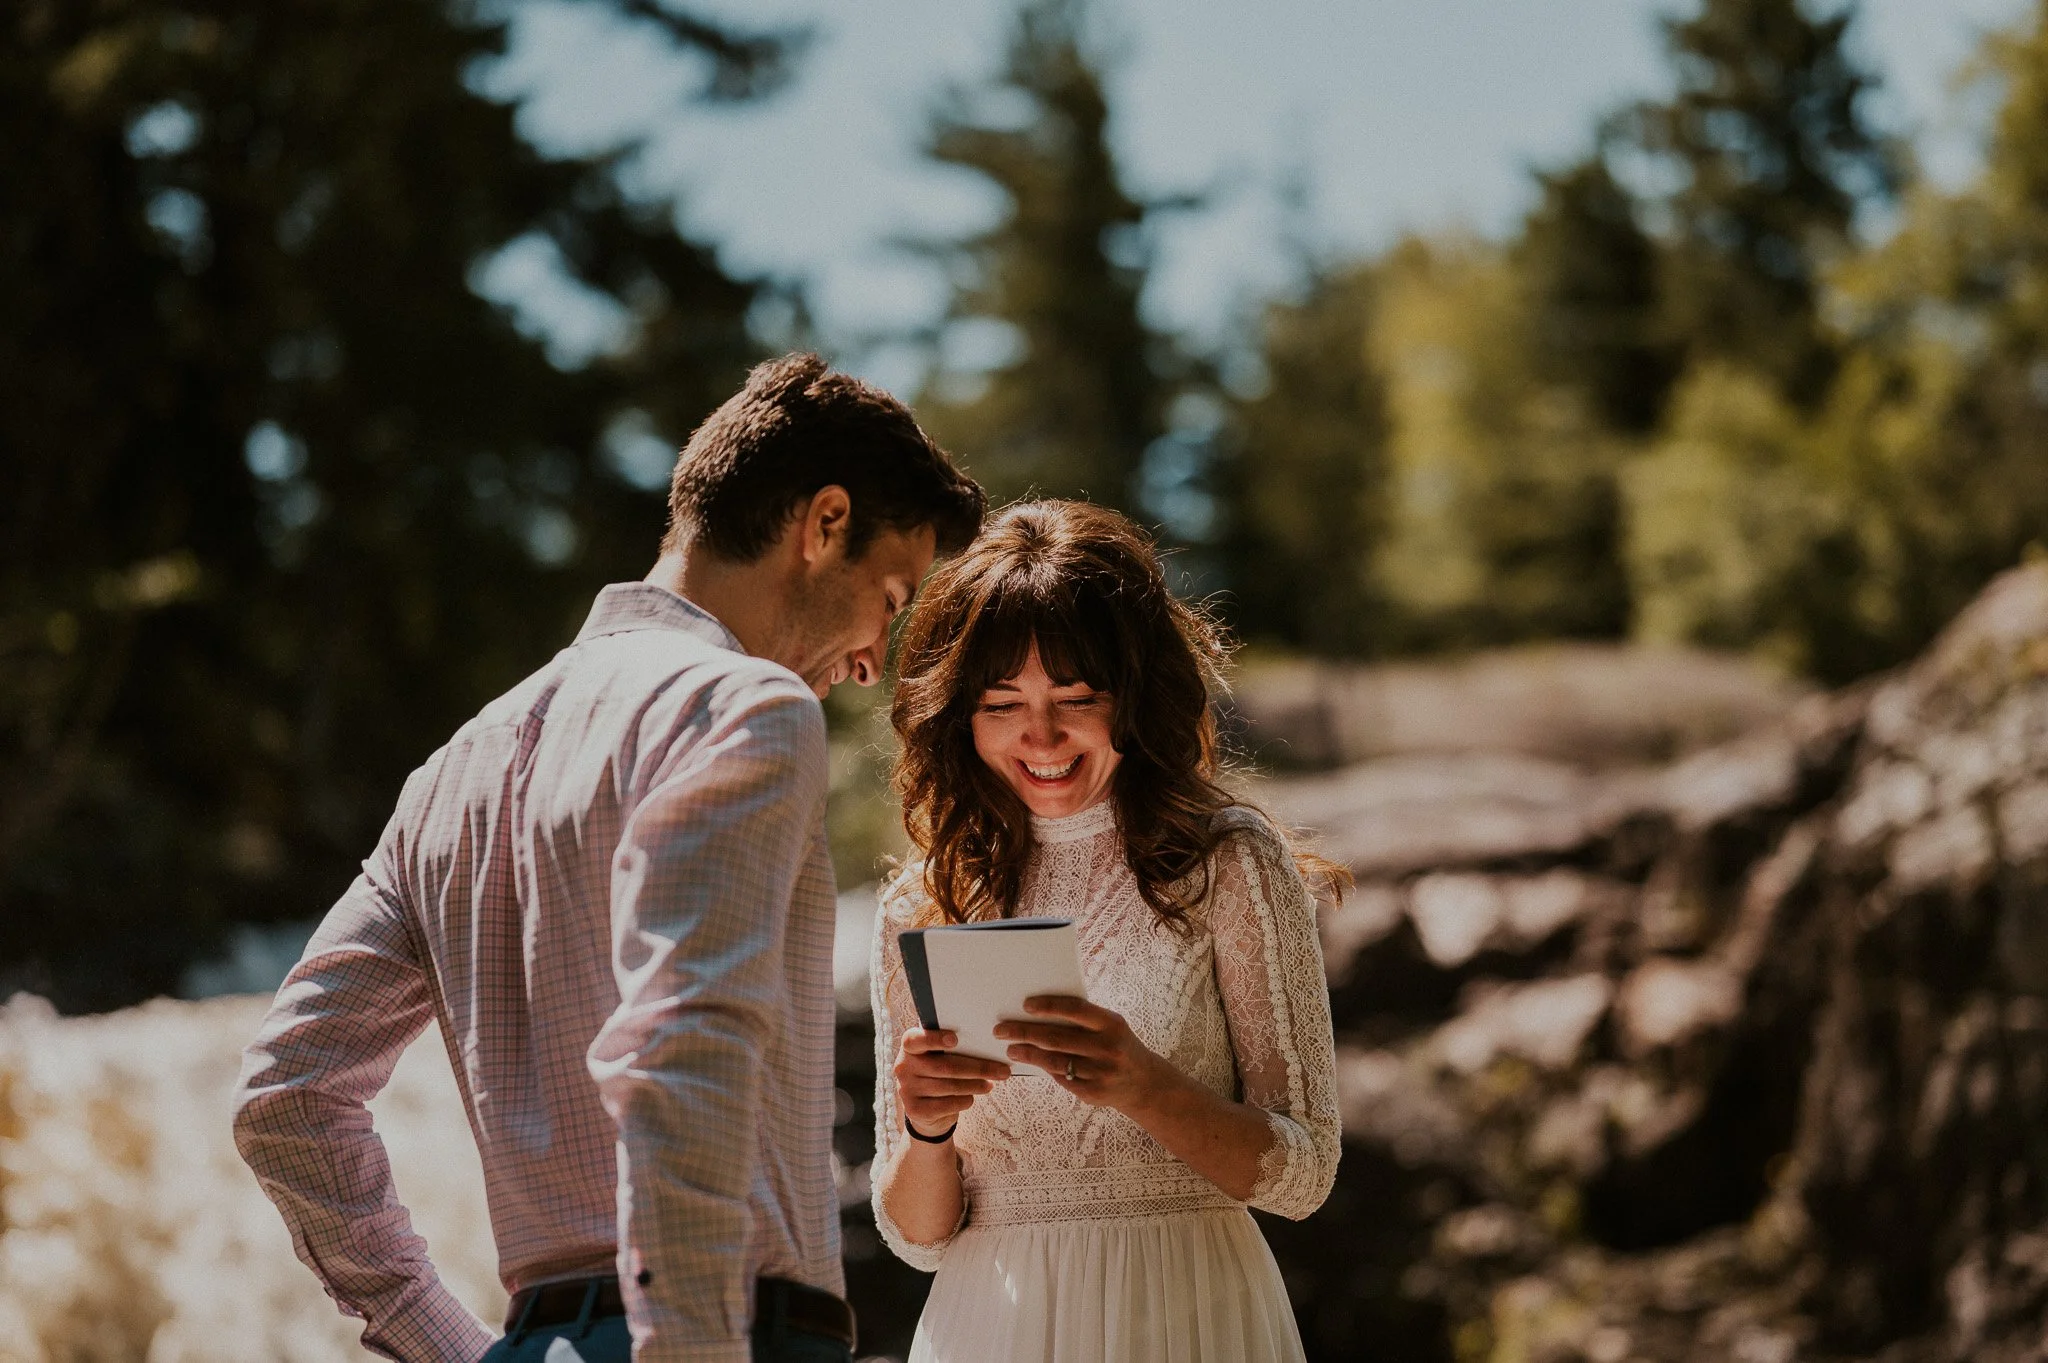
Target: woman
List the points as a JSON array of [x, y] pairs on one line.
[[1058, 759]]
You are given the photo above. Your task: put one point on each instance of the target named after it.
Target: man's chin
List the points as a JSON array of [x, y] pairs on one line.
[[822, 682]]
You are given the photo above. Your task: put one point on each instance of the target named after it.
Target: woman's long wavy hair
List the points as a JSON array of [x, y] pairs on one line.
[[1085, 586]]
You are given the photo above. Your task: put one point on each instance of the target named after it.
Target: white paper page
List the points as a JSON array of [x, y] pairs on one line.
[[980, 978]]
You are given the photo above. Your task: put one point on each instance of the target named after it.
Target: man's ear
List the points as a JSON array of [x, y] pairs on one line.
[[827, 522]]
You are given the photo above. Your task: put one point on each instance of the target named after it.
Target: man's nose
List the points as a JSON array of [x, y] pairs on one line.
[[866, 664]]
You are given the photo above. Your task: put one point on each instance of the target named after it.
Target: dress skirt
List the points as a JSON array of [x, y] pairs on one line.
[[1178, 1287]]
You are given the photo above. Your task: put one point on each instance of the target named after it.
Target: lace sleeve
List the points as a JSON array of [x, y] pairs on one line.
[[894, 1014], [1269, 970]]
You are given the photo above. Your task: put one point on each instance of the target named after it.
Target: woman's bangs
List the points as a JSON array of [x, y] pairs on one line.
[[997, 643], [1079, 646], [1071, 645]]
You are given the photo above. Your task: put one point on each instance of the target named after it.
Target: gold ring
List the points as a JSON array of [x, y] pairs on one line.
[[1070, 1069]]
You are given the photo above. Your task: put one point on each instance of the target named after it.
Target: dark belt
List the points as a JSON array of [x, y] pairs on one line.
[[580, 1301], [575, 1301], [798, 1306]]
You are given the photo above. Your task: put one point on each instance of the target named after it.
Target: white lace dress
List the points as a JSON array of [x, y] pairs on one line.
[[1083, 1240]]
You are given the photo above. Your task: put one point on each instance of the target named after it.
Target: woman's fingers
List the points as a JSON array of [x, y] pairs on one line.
[[945, 1065], [923, 1067], [1052, 1062], [935, 1085], [918, 1040], [969, 1089], [946, 1088], [1094, 1068], [928, 1052], [935, 1109], [1079, 1012], [1055, 1037]]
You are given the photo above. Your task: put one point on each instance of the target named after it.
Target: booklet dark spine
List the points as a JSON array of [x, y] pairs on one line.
[[919, 976]]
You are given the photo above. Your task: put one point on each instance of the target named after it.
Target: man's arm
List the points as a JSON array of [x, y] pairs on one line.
[[344, 1015], [701, 888]]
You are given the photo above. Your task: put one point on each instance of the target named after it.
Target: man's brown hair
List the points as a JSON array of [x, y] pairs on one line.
[[796, 427]]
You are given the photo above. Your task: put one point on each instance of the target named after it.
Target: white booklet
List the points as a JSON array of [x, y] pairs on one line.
[[969, 977]]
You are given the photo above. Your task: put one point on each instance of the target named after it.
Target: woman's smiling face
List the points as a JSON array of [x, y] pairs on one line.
[[1049, 743]]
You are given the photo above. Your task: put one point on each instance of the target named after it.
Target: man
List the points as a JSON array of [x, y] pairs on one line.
[[611, 891]]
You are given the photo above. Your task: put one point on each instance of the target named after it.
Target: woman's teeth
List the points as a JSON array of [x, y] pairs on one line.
[[1053, 773]]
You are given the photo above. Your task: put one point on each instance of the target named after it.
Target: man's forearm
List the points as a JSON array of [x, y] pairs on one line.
[[330, 1188]]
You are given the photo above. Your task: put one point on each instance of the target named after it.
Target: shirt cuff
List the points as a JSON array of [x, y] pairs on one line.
[[432, 1327]]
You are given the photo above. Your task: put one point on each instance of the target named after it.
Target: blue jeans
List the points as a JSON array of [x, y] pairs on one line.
[[607, 1341], [775, 1342], [604, 1341]]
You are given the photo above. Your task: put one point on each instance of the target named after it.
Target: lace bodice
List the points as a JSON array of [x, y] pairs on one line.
[[1238, 1004]]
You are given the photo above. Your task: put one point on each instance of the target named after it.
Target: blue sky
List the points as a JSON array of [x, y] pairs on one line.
[[1400, 114]]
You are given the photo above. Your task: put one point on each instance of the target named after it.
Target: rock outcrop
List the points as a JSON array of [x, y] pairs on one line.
[[1743, 1058]]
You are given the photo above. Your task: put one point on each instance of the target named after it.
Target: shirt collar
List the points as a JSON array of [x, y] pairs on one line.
[[625, 606], [1099, 817]]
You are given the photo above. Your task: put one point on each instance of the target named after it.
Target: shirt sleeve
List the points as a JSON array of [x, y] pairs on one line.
[[347, 1011], [1269, 970], [701, 888], [895, 1014]]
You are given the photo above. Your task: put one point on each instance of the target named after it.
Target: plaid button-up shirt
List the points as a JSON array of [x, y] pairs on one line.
[[611, 891]]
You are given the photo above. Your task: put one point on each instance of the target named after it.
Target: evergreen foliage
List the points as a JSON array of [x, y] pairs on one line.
[[1055, 281], [1589, 276], [1775, 155], [1842, 539], [285, 500], [1505, 520], [1303, 477]]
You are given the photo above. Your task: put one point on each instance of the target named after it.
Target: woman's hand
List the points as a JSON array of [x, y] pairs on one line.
[[934, 1087], [1090, 1052]]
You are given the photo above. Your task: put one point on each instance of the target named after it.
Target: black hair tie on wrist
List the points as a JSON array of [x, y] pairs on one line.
[[917, 1135]]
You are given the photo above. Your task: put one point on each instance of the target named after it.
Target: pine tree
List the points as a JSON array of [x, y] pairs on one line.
[[1082, 393], [282, 499], [1572, 373], [1588, 273], [1303, 481], [1768, 132], [1841, 535]]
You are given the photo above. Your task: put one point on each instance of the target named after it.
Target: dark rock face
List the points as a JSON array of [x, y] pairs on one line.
[[1923, 1146], [1743, 1058], [1740, 1058]]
